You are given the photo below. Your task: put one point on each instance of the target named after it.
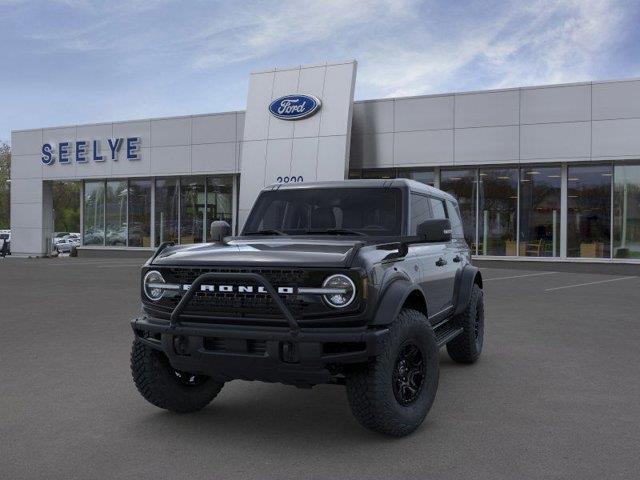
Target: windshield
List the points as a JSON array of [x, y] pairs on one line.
[[339, 211]]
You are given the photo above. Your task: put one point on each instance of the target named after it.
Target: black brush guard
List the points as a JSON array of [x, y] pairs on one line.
[[305, 363], [197, 283]]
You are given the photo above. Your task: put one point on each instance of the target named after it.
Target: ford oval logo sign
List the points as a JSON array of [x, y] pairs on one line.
[[294, 107]]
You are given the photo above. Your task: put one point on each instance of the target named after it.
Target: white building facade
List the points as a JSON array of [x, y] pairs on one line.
[[549, 172]]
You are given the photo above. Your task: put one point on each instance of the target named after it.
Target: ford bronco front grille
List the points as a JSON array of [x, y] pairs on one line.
[[235, 303]]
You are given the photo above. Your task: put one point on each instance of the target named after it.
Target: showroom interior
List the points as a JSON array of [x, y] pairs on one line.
[[511, 211]]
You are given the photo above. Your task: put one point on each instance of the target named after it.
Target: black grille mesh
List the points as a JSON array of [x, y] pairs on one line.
[[241, 304]]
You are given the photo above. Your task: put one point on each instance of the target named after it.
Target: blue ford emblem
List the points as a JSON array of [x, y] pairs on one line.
[[294, 107]]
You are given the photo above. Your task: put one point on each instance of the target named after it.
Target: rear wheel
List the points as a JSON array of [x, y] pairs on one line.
[[467, 347], [393, 393], [165, 387]]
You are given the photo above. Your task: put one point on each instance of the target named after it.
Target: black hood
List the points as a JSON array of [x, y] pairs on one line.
[[261, 252]]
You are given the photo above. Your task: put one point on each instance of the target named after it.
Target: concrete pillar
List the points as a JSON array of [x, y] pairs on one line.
[[309, 149], [31, 216], [31, 197]]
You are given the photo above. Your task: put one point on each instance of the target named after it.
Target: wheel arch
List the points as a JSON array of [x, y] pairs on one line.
[[469, 277], [400, 294]]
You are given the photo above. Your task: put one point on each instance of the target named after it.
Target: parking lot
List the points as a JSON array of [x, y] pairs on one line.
[[555, 394]]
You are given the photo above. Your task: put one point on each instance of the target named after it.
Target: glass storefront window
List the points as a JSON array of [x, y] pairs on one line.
[[219, 200], [166, 210], [462, 185], [93, 213], [119, 212], [427, 177], [498, 211], [116, 213], [626, 208], [139, 230], [192, 210], [540, 193], [589, 211]]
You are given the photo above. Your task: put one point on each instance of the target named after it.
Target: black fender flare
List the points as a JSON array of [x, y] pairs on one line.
[[469, 276], [392, 300]]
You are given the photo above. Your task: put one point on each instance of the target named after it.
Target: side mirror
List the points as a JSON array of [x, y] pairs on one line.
[[435, 230], [219, 230]]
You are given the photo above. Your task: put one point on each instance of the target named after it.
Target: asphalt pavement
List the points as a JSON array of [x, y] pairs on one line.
[[554, 396]]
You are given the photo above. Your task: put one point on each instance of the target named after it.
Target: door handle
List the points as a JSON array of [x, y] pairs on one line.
[[457, 258], [441, 262]]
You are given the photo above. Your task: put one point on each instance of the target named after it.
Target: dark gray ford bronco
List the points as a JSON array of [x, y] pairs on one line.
[[355, 283]]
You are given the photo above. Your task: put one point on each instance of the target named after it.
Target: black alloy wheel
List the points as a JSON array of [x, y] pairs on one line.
[[408, 373]]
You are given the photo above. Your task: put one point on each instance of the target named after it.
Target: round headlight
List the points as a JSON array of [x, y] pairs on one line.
[[345, 291], [150, 285]]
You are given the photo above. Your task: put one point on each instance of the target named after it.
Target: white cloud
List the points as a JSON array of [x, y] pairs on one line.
[[548, 42], [567, 48], [257, 31], [409, 48], [404, 47]]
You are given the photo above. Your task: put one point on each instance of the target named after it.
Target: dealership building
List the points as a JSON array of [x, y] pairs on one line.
[[541, 173]]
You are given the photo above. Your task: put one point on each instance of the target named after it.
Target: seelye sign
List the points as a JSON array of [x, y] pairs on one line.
[[294, 107], [82, 151]]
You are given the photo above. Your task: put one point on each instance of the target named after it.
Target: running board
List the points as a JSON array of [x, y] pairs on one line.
[[446, 333]]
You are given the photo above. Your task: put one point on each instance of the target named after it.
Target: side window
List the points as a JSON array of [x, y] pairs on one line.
[[456, 223], [420, 211], [437, 206]]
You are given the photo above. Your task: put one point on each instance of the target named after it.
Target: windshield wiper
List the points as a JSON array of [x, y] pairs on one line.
[[267, 231], [335, 231]]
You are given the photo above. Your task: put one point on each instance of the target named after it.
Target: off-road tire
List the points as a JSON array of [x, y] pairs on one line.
[[370, 387], [467, 347], [157, 382]]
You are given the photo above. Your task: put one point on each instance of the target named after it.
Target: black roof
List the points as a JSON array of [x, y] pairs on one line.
[[365, 183]]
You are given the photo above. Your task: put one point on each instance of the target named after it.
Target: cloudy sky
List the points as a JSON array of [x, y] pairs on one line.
[[77, 61]]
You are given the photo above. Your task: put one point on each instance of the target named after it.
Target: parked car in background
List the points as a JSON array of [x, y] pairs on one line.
[[117, 236], [5, 242], [57, 236], [65, 244], [94, 236]]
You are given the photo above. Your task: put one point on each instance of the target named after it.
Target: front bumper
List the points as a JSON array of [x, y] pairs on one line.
[[303, 357]]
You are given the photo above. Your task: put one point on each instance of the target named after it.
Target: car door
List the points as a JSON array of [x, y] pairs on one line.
[[461, 253], [431, 275], [448, 260]]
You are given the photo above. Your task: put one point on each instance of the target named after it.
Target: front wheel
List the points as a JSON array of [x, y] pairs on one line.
[[393, 393], [165, 387]]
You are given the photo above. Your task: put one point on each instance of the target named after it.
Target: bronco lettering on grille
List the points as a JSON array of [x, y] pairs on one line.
[[239, 289]]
